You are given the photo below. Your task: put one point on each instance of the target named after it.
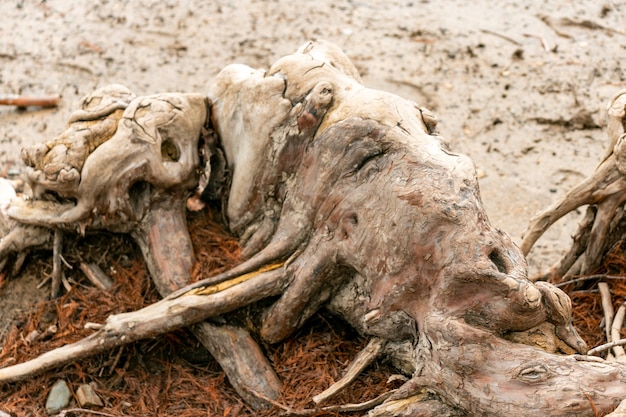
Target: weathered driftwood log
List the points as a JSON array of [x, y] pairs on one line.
[[348, 197], [605, 194], [128, 164]]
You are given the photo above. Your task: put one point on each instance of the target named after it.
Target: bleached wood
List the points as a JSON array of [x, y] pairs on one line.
[[616, 328]]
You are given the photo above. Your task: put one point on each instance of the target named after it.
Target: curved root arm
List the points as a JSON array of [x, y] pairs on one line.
[[159, 318], [605, 181], [604, 191]]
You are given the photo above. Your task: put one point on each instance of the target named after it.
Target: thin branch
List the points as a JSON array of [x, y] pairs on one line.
[[500, 35], [607, 307], [96, 275], [589, 278], [158, 318], [362, 361], [57, 263], [343, 408], [606, 346], [543, 40], [589, 24], [84, 410], [550, 24], [367, 405]]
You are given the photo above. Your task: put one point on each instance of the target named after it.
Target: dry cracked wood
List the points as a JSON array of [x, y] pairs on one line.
[[348, 197]]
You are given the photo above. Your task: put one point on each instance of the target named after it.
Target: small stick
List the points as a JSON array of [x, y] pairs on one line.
[[158, 318], [43, 282], [607, 307], [362, 361], [589, 278], [96, 276], [57, 267], [343, 408], [606, 346], [616, 327], [506, 38], [587, 358], [19, 262], [66, 283], [83, 410], [25, 101], [66, 263], [548, 22], [589, 24], [543, 40], [116, 360]]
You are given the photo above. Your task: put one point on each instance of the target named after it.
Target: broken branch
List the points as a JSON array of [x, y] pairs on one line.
[[606, 346], [159, 318]]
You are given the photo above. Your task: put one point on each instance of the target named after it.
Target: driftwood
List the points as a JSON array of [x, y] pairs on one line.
[[127, 164], [604, 194], [342, 196]]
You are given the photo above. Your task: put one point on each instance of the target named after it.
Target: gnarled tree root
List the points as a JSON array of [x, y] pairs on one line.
[[605, 193], [162, 236], [481, 374], [469, 369]]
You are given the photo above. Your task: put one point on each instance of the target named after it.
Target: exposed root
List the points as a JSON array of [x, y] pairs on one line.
[[172, 375]]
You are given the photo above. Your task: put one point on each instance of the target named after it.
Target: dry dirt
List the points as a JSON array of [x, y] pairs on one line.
[[518, 86]]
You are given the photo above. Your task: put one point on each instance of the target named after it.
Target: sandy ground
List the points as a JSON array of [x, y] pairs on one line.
[[520, 87]]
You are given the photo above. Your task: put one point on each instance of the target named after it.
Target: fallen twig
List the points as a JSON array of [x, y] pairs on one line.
[[427, 96], [606, 346], [543, 40], [362, 361], [500, 35], [25, 101], [589, 278], [342, 408], [545, 19], [589, 24], [158, 318]]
